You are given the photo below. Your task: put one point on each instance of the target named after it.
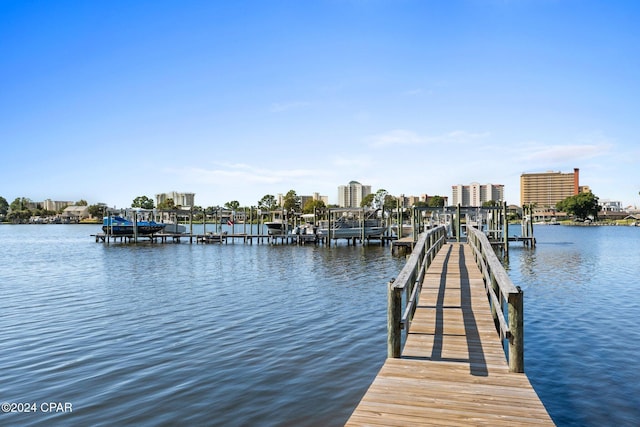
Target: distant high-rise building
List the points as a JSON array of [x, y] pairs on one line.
[[303, 199], [350, 196], [476, 194], [316, 196], [409, 201], [184, 200], [55, 206], [545, 189]]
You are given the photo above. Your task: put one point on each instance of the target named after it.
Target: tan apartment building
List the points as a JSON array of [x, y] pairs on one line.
[[408, 201], [545, 189]]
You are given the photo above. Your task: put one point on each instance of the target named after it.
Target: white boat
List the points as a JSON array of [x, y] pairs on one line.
[[278, 226], [306, 232], [553, 221]]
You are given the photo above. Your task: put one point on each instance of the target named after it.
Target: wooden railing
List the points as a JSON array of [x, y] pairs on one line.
[[408, 284], [502, 294]]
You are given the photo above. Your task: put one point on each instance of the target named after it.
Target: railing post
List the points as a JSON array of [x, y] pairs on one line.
[[496, 290], [458, 224], [516, 328], [394, 317]]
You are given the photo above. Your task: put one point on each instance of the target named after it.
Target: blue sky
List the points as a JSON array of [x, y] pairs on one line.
[[233, 100]]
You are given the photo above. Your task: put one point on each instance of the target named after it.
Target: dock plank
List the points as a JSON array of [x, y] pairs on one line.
[[453, 370]]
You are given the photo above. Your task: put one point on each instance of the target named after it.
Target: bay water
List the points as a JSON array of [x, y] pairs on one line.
[[274, 335], [582, 322]]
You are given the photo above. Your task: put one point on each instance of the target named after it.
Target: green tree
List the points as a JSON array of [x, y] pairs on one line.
[[267, 203], [4, 206], [97, 211], [490, 203], [143, 202], [198, 213], [312, 205], [367, 201], [389, 202], [167, 204], [581, 205], [291, 202], [19, 204], [436, 202], [19, 210], [82, 202], [380, 198], [233, 205]]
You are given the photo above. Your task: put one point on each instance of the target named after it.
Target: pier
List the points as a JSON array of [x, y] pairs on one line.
[[492, 220], [326, 226], [399, 228], [455, 343], [203, 238]]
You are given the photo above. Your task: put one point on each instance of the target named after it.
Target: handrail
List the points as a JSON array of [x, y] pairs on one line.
[[501, 291], [409, 282]]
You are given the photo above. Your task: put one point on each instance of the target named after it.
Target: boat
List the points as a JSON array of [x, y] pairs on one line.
[[174, 228], [119, 226], [213, 237], [350, 226], [307, 232], [553, 221], [278, 226]]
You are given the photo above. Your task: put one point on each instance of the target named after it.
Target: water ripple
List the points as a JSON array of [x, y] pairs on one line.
[[190, 334]]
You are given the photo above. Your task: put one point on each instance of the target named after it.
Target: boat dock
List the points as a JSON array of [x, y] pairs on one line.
[[452, 369], [332, 225]]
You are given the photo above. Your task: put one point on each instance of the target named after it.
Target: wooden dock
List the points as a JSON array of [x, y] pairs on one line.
[[452, 370], [225, 238]]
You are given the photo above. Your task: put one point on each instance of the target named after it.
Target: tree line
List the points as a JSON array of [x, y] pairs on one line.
[[293, 203], [21, 209], [582, 206]]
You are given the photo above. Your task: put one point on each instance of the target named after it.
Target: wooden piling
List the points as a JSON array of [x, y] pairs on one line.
[[516, 328], [394, 318]]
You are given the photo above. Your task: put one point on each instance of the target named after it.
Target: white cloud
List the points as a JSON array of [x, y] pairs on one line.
[[396, 137], [407, 137], [555, 154], [240, 173]]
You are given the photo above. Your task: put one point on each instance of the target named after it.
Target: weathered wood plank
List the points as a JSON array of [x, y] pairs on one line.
[[453, 370]]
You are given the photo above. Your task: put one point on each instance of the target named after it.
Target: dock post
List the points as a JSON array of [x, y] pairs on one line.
[[532, 240], [516, 328], [505, 230], [191, 224], [394, 317]]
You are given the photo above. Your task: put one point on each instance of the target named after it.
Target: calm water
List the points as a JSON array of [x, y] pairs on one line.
[[282, 335], [582, 322]]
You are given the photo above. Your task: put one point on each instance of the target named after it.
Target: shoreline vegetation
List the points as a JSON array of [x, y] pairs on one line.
[[587, 223]]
